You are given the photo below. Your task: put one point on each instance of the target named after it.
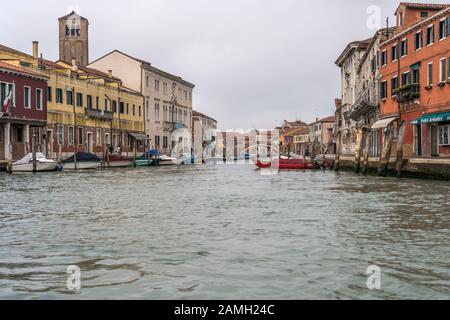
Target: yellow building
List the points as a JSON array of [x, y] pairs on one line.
[[88, 110]]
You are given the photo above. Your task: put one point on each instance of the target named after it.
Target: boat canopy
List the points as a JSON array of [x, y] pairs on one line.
[[153, 152], [83, 157], [29, 157], [432, 118]]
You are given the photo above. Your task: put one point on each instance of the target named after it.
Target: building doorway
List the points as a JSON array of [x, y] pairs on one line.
[[419, 140], [434, 141], [49, 150], [89, 142]]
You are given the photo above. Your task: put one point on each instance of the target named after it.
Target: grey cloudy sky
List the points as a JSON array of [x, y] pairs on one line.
[[254, 62]]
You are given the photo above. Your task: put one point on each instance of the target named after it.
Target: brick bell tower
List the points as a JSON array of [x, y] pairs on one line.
[[74, 39]]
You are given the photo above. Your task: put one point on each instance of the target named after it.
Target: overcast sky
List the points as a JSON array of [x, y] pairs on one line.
[[254, 62]]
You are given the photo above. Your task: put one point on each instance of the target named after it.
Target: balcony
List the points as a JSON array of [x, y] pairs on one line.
[[99, 114], [168, 126], [366, 104], [408, 93], [172, 126]]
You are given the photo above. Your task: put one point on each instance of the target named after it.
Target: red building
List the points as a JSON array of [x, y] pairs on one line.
[[23, 111], [415, 78]]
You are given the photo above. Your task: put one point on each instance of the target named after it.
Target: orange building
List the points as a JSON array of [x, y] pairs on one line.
[[415, 78]]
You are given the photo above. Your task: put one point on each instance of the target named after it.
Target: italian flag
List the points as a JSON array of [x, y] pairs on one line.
[[7, 103]]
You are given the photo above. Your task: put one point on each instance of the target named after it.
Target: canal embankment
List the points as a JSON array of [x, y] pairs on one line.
[[423, 168]]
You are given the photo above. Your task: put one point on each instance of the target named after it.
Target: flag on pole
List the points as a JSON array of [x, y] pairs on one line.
[[7, 103]]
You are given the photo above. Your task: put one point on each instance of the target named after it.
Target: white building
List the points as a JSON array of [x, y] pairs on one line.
[[167, 100], [351, 85], [204, 136], [359, 105]]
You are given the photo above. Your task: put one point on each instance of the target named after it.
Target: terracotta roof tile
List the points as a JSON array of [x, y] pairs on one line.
[[7, 66]]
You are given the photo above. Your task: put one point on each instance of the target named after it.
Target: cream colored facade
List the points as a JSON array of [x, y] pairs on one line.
[[204, 137], [168, 100]]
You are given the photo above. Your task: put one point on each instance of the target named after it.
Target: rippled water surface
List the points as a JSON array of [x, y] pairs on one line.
[[222, 232]]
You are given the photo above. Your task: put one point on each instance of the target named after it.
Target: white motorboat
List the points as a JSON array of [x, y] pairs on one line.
[[42, 164], [168, 161]]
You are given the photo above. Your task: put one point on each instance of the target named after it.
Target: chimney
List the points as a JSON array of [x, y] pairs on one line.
[[36, 49], [74, 65], [110, 73]]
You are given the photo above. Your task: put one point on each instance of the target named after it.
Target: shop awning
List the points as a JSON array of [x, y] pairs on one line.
[[383, 123], [139, 136], [432, 118]]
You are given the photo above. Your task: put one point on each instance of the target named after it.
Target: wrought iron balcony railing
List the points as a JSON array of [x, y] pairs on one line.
[[99, 114], [367, 102], [408, 93]]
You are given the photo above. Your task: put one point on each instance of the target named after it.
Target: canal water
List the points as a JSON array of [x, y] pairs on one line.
[[222, 232]]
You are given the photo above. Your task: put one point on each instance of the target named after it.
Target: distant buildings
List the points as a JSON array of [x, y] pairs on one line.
[[204, 135], [321, 135], [308, 139]]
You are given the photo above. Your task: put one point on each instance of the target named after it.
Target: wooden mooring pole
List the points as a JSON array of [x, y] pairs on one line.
[[386, 154], [366, 152], [400, 143], [358, 150], [338, 152], [33, 151]]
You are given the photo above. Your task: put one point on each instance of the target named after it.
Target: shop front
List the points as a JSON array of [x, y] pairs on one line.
[[431, 135]]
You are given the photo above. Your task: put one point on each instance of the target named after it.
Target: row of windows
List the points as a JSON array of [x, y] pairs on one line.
[[429, 35], [7, 89], [73, 31], [413, 77], [165, 142], [182, 94], [124, 108], [170, 114], [77, 137]]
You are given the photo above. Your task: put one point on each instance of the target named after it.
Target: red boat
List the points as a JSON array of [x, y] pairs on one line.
[[118, 161], [286, 164]]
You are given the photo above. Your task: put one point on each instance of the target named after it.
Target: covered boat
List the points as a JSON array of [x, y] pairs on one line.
[[42, 164], [118, 161], [85, 161], [285, 164]]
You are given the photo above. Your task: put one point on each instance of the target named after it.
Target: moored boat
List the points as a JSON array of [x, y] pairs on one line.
[[168, 161], [118, 161], [143, 162], [285, 164], [42, 164], [84, 161]]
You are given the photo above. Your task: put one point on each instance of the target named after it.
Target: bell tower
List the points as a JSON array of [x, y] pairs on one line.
[[74, 39]]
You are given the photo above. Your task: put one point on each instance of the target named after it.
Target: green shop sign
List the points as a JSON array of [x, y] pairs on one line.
[[432, 118]]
